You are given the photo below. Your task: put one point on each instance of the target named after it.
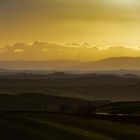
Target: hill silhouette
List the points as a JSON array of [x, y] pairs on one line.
[[40, 102], [114, 63]]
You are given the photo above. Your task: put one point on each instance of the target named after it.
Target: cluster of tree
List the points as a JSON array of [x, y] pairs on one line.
[[88, 108], [85, 109]]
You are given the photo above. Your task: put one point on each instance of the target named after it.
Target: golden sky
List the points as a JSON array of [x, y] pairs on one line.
[[96, 22]]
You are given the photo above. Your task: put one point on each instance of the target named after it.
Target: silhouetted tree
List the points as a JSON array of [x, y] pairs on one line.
[[91, 108], [66, 108]]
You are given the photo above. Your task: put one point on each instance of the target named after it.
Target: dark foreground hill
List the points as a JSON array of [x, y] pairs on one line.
[[44, 126], [42, 102]]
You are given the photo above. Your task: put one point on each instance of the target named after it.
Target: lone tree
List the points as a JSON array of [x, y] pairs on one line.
[[91, 109], [65, 108]]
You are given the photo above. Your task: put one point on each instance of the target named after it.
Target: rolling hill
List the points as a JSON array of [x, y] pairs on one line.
[[121, 108], [42, 102], [85, 86]]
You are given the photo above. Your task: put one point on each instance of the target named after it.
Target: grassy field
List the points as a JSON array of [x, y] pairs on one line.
[[121, 107], [44, 126]]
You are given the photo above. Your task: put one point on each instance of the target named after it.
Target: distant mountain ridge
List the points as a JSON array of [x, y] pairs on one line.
[[40, 65], [113, 63]]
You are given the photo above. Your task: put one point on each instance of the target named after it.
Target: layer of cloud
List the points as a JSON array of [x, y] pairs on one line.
[[52, 51], [104, 21]]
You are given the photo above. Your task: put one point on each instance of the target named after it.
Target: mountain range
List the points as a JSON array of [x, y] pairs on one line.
[[113, 63]]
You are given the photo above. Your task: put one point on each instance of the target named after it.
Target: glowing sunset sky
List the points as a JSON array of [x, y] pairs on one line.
[[96, 22]]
